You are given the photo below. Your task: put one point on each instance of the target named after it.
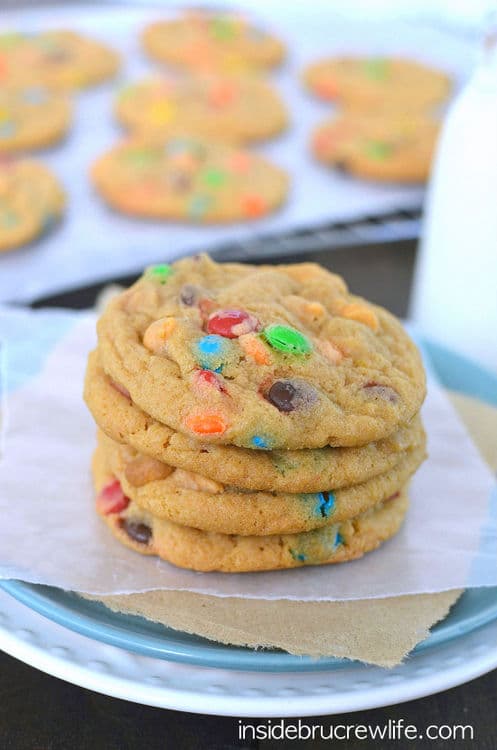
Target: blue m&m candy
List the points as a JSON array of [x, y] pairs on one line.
[[212, 351]]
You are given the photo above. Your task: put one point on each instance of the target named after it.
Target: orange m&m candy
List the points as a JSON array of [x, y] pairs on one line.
[[327, 88], [254, 206], [255, 349], [222, 94], [206, 424]]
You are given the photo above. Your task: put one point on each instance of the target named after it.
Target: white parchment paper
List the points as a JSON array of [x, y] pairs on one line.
[[95, 243], [51, 534]]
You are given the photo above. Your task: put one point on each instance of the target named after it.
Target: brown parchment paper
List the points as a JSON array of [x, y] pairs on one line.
[[375, 631]]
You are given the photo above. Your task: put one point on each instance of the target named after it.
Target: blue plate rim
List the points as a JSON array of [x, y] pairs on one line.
[[205, 653]]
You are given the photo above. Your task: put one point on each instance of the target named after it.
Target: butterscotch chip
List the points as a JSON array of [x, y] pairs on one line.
[[144, 469]]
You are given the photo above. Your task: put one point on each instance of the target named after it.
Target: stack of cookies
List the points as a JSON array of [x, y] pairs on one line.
[[252, 417]]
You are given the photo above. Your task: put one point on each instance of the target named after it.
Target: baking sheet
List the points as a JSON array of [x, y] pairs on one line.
[[52, 534], [94, 242]]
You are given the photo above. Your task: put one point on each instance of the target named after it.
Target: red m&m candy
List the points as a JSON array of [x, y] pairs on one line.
[[207, 377], [111, 499], [232, 323]]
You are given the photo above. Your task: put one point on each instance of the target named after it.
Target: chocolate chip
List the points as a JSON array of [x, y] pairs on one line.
[[282, 395], [189, 294], [180, 182], [288, 395], [58, 56], [139, 532], [199, 151], [342, 167]]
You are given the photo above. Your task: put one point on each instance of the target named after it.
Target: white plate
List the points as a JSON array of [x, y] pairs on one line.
[[121, 674]]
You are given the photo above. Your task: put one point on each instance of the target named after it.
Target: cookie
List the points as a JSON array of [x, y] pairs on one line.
[[191, 548], [32, 117], [205, 40], [188, 179], [273, 471], [263, 357], [60, 58], [372, 83], [31, 201], [231, 109], [190, 499], [394, 147]]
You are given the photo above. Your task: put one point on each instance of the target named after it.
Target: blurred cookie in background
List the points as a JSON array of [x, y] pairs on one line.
[[31, 201], [188, 179], [370, 82], [392, 147], [59, 58], [234, 109], [207, 40], [32, 117]]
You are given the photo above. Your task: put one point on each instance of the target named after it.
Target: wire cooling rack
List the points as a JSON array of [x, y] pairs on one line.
[[374, 253], [391, 227]]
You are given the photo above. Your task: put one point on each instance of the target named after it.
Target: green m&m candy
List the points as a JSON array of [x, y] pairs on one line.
[[286, 339], [214, 177], [10, 39], [160, 273], [141, 158], [376, 68], [126, 92], [378, 150], [222, 28]]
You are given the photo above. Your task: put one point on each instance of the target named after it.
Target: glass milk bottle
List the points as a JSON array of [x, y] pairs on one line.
[[455, 287]]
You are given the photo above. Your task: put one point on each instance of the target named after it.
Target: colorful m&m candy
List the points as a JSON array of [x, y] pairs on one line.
[[232, 323]]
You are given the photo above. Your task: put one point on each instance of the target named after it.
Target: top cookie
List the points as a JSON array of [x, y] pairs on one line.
[[358, 82], [62, 59], [261, 357], [234, 109], [204, 40]]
